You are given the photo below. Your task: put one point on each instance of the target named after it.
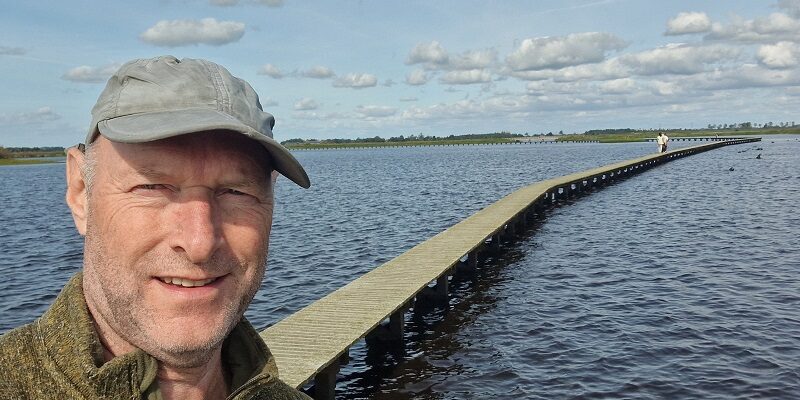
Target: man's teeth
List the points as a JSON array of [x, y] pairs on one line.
[[187, 282]]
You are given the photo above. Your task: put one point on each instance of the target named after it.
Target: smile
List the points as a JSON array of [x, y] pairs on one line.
[[186, 282]]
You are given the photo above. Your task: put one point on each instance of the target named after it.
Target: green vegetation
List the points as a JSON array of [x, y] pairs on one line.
[[629, 135], [35, 152], [28, 155], [412, 140], [440, 142], [614, 135], [23, 161]]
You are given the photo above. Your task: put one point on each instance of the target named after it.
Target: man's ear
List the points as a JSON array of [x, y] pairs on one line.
[[76, 188]]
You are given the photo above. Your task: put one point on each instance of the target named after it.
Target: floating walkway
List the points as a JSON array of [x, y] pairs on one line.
[[312, 343], [699, 139]]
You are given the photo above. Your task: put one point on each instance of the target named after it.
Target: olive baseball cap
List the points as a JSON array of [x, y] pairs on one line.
[[162, 97]]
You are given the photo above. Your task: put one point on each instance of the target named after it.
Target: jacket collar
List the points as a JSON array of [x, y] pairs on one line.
[[69, 338]]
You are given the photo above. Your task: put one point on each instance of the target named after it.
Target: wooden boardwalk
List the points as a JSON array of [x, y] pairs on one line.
[[311, 343], [697, 138]]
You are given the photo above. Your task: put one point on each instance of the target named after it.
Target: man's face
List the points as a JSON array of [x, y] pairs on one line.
[[177, 232]]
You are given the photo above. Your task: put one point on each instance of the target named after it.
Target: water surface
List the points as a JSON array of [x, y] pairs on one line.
[[680, 282]]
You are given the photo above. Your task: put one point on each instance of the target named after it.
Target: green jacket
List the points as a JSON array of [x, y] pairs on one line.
[[59, 356]]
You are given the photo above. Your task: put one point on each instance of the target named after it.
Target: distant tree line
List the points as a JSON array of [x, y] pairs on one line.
[[34, 149], [410, 138], [23, 152], [751, 125], [616, 131]]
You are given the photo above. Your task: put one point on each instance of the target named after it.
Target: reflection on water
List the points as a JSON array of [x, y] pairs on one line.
[[677, 283]]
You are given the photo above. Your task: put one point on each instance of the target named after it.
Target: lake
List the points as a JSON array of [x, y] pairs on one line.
[[680, 282]]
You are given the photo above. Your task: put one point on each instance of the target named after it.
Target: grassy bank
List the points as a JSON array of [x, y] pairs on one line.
[[645, 135], [443, 142], [25, 161], [636, 136], [29, 155]]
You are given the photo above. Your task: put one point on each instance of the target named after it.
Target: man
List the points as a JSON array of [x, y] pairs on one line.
[[174, 196], [662, 140]]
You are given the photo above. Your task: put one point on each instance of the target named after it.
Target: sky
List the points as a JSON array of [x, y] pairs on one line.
[[349, 69]]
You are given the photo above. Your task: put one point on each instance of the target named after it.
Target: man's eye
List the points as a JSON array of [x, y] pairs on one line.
[[152, 186], [234, 192], [147, 187]]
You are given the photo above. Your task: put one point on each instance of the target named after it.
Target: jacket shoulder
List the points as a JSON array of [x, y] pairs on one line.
[[270, 388], [19, 361], [26, 370]]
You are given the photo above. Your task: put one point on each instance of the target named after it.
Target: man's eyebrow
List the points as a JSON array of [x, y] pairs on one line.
[[152, 174], [239, 182], [245, 183]]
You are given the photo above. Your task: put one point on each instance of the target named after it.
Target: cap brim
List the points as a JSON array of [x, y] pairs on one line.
[[146, 127]]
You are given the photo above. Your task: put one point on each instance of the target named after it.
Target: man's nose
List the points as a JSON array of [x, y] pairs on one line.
[[198, 231]]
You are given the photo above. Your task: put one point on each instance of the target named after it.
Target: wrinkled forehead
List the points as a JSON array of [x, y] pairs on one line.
[[195, 151]]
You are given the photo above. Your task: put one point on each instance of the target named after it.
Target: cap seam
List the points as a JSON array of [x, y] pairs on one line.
[[223, 103], [123, 84]]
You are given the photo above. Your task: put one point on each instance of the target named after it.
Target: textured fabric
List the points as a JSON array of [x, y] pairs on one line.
[[59, 356]]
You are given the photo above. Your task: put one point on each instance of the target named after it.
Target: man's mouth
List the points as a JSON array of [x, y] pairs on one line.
[[186, 282]]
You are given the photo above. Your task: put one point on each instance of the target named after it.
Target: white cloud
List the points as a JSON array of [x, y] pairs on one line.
[[87, 74], [318, 72], [496, 106], [661, 88], [678, 59], [40, 115], [548, 88], [744, 76], [773, 28], [688, 22], [563, 51], [434, 57], [192, 32], [356, 81], [12, 51], [271, 71], [306, 104], [618, 86], [376, 111], [473, 59], [779, 55], [417, 77], [466, 77], [409, 99], [606, 70], [790, 6], [428, 53]]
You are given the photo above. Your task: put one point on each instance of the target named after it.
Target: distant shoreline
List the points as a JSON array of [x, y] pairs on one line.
[[27, 161], [45, 157], [601, 138]]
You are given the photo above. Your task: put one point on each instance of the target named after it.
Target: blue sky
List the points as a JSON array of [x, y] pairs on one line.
[[352, 69]]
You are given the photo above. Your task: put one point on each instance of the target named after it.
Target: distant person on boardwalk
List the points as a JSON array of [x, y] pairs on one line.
[[173, 193], [662, 141]]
